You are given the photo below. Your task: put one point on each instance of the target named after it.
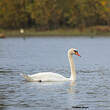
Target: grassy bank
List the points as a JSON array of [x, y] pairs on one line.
[[93, 31]]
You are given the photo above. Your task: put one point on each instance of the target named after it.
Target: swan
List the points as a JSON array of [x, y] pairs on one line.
[[54, 77]]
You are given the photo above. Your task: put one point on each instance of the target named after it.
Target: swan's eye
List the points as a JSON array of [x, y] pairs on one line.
[[75, 51]]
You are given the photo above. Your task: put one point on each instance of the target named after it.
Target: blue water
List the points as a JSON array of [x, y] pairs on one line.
[[32, 55]]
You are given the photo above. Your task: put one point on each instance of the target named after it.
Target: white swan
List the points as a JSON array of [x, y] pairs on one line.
[[50, 76]]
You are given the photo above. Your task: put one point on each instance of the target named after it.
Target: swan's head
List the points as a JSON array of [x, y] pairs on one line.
[[73, 51]]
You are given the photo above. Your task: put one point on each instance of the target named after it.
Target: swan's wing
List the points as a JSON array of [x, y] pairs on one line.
[[47, 76]]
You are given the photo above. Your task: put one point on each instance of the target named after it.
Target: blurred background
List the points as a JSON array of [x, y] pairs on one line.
[[76, 17]]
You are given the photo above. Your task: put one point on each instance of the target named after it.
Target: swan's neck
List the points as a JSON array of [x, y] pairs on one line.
[[72, 67]]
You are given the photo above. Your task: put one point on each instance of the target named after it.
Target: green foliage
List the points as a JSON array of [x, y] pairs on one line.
[[50, 14], [46, 14], [13, 14], [87, 13]]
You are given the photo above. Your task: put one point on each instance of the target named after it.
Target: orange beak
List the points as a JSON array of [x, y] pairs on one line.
[[77, 54]]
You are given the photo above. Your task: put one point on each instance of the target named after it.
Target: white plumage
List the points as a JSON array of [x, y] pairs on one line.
[[45, 77]]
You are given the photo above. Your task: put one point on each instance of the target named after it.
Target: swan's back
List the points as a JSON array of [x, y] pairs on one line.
[[45, 77]]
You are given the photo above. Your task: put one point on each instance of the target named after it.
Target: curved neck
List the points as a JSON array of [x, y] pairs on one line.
[[72, 67]]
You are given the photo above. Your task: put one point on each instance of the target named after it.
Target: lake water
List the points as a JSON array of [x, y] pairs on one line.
[[31, 55]]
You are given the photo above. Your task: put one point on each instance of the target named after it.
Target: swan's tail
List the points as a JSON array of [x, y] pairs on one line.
[[26, 77]]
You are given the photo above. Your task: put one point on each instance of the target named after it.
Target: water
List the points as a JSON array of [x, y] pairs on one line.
[[33, 55]]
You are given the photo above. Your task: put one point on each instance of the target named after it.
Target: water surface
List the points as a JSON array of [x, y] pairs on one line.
[[31, 55]]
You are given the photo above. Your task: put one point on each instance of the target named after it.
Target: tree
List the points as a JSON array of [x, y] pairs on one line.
[[13, 14], [87, 13], [51, 14], [45, 13]]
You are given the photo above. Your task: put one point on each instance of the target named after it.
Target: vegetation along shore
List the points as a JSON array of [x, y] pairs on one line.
[[91, 31]]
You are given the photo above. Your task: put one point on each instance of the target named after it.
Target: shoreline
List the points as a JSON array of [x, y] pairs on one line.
[[57, 32]]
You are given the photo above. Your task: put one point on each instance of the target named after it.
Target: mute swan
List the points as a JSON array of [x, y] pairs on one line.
[[50, 76]]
